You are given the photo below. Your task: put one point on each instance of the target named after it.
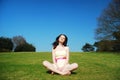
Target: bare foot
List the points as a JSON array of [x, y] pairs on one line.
[[52, 72], [66, 73]]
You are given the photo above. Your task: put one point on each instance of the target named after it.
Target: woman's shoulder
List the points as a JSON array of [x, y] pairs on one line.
[[66, 47]]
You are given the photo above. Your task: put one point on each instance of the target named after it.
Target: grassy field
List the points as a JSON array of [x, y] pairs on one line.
[[28, 66]]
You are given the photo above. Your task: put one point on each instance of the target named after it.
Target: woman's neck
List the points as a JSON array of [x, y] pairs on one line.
[[60, 44]]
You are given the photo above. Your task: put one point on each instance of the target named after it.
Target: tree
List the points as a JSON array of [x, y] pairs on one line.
[[5, 44], [104, 45], [108, 46], [20, 44], [18, 40], [116, 46], [117, 35], [88, 47], [109, 22], [108, 30], [25, 47]]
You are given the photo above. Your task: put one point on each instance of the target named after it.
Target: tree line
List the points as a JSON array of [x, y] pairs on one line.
[[16, 44], [107, 33]]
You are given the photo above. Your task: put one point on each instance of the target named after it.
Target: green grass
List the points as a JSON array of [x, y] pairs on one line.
[[28, 66]]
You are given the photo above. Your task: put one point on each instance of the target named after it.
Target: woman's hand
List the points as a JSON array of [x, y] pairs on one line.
[[61, 68]]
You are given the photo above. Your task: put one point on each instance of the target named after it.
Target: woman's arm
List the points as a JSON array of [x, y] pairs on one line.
[[53, 56], [67, 50]]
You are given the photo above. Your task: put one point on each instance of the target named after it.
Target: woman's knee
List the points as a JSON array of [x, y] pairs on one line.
[[45, 62], [75, 65]]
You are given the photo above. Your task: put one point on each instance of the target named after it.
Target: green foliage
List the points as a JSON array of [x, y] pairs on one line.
[[88, 47], [104, 45], [108, 45], [25, 47], [24, 66], [116, 46], [17, 44], [20, 45], [5, 44], [117, 35]]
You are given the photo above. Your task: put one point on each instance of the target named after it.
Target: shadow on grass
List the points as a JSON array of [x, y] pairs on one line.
[[50, 72]]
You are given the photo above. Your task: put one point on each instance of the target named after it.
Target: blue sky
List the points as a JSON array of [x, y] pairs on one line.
[[41, 21]]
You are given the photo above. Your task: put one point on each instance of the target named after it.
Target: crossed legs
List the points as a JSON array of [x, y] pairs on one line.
[[67, 69], [52, 67]]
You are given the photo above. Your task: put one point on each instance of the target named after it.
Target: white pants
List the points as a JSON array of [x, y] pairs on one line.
[[67, 68]]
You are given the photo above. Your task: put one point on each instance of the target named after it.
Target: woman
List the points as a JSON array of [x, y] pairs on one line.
[[60, 56]]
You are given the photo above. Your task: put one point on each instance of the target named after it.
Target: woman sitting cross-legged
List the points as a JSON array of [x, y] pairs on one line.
[[60, 57]]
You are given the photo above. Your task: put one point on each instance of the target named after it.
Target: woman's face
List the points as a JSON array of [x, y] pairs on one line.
[[62, 39]]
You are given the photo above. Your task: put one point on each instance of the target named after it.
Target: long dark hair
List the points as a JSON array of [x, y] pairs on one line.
[[56, 42]]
